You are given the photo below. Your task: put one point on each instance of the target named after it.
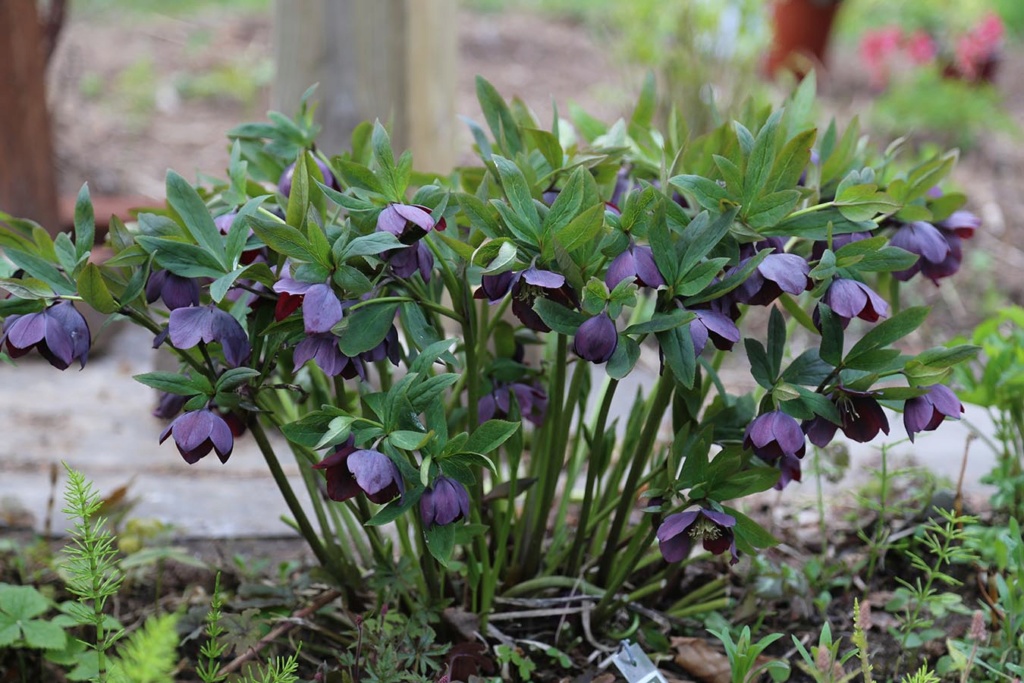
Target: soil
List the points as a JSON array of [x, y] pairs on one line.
[[121, 120]]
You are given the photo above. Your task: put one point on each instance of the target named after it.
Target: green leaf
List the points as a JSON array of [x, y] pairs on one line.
[[385, 159], [309, 430], [22, 602], [235, 377], [441, 542], [886, 259], [67, 258], [284, 239], [499, 118], [173, 383], [888, 331], [219, 288], [558, 317], [760, 366], [567, 204], [750, 531], [807, 369], [677, 345], [627, 353], [792, 161], [548, 144], [26, 288], [85, 223], [744, 483], [516, 189], [40, 270], [701, 236], [43, 635], [366, 327], [583, 230], [489, 436], [181, 258], [864, 202], [409, 440], [94, 291], [187, 203], [338, 430], [770, 209], [705, 191], [357, 175], [831, 336], [374, 244], [661, 322], [759, 165]]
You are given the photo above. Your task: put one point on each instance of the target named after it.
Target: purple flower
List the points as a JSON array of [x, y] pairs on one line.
[[853, 299], [495, 287], [189, 326], [596, 339], [408, 222], [284, 184], [961, 223], [321, 309], [636, 263], [198, 432], [174, 290], [776, 274], [323, 350], [713, 529], [351, 471], [532, 283], [169, 405], [446, 502], [59, 333], [923, 239], [789, 470], [774, 435], [532, 402], [926, 412], [949, 265], [713, 325], [862, 418], [416, 257]]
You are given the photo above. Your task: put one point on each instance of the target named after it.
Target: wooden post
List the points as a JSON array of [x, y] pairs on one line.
[[27, 177], [389, 59]]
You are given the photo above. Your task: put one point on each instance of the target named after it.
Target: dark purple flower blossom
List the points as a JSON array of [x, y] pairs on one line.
[[926, 412], [169, 405], [923, 239], [636, 263], [774, 435], [776, 274], [495, 287], [713, 529], [961, 223], [789, 470], [853, 299], [321, 309], [59, 333], [174, 290], [862, 418], [446, 502], [534, 282], [713, 325], [596, 339], [323, 350], [284, 184], [408, 222], [198, 432], [532, 402], [189, 326], [351, 471], [417, 257], [949, 265]]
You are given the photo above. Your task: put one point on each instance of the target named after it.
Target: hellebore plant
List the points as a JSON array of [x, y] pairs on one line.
[[441, 354]]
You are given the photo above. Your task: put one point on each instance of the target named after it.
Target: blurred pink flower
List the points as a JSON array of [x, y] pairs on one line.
[[875, 49], [979, 46], [921, 47]]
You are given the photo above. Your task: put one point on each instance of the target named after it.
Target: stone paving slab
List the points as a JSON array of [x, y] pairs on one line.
[[99, 422]]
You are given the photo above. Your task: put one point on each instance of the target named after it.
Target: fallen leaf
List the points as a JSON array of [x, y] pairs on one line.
[[704, 662]]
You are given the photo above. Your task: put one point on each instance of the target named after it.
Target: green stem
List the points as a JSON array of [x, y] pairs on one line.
[[630, 558], [285, 487], [660, 402], [576, 553]]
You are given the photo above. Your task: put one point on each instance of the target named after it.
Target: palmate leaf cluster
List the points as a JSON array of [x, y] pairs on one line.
[[446, 349]]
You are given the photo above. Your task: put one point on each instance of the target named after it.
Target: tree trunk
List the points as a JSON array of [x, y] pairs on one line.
[[389, 59], [27, 175]]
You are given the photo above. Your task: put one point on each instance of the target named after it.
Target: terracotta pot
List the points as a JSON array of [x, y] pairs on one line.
[[801, 31]]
